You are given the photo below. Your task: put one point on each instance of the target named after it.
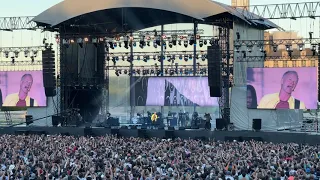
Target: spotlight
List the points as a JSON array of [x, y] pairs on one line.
[[148, 43], [314, 49], [203, 57], [80, 42], [120, 45], [94, 41], [237, 46], [142, 42], [275, 48], [32, 59], [174, 39], [12, 60], [6, 54], [138, 58], [114, 61], [180, 57], [200, 43], [26, 53], [244, 54], [16, 54], [117, 73], [134, 44], [288, 48], [300, 47], [190, 57], [123, 58], [170, 44], [154, 57], [158, 40], [125, 71], [249, 48], [44, 41], [185, 43], [111, 45], [186, 57], [126, 42], [205, 42], [155, 45], [179, 42], [310, 35], [191, 40], [238, 35]]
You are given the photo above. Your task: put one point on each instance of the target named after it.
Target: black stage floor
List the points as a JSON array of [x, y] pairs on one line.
[[276, 137]]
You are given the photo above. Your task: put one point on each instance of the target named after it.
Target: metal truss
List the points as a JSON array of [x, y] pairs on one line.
[[166, 53], [276, 58], [21, 49], [156, 67], [17, 23], [281, 11], [134, 34], [20, 63], [302, 41]]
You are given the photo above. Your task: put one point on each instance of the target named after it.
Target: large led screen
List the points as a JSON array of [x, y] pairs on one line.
[[22, 89], [173, 91], [282, 88]]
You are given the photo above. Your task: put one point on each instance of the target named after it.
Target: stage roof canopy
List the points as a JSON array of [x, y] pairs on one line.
[[102, 15]]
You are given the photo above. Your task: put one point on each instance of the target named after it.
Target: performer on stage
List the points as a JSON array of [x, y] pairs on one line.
[[154, 118]]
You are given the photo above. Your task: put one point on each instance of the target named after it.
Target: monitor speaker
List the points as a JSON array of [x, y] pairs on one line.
[[56, 120], [29, 119], [219, 123], [256, 124]]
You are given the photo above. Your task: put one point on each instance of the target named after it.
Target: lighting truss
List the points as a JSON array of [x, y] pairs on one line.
[[17, 23], [239, 43], [134, 34], [168, 70], [20, 63], [281, 11], [167, 55], [276, 58], [21, 49]]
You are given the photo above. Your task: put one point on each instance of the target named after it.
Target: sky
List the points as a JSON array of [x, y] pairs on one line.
[[34, 7]]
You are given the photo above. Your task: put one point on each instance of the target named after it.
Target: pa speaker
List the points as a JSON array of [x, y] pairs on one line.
[[256, 124], [48, 70], [214, 70], [29, 119], [56, 120], [219, 123]]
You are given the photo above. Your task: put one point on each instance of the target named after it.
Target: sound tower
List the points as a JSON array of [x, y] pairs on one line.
[[48, 71], [214, 70]]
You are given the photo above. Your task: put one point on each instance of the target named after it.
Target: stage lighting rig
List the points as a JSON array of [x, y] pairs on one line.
[[275, 42], [158, 40], [192, 40], [6, 54], [126, 42]]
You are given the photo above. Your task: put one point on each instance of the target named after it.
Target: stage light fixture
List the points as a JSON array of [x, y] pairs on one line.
[[166, 71], [200, 42], [310, 35], [275, 47], [300, 47], [314, 49], [244, 54], [197, 56], [179, 43], [190, 57], [85, 39], [12, 60], [145, 59], [44, 41], [170, 44], [155, 45], [203, 57], [152, 71], [95, 41], [249, 48], [114, 61], [288, 47], [111, 45], [115, 45], [174, 38], [138, 58], [191, 40], [180, 57], [237, 47], [186, 58], [128, 59], [126, 42], [158, 40], [120, 44], [117, 73], [141, 45], [173, 57], [108, 58], [80, 42], [205, 42], [238, 35], [159, 73], [125, 71], [6, 54], [123, 58], [142, 42], [261, 49], [16, 54], [185, 44], [26, 53], [169, 58], [138, 71]]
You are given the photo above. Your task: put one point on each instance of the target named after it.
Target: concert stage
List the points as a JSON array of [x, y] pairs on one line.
[[276, 137]]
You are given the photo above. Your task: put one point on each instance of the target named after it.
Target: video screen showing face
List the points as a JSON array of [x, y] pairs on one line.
[[282, 88], [22, 89], [173, 91]]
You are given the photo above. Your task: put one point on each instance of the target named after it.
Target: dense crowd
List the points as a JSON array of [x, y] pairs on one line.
[[109, 157]]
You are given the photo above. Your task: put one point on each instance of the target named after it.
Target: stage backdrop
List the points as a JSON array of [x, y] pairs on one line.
[[267, 82], [11, 82], [173, 91]]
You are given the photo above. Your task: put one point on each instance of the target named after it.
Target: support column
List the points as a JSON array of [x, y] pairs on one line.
[[132, 89], [227, 81], [195, 31], [161, 61]]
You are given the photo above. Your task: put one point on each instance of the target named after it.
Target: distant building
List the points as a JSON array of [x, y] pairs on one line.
[[240, 3]]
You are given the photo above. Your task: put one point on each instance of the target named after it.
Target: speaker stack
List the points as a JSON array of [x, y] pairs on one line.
[[29, 119], [214, 70], [256, 124], [48, 70]]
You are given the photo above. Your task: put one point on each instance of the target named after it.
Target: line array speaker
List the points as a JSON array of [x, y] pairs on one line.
[[256, 124], [214, 70], [48, 70]]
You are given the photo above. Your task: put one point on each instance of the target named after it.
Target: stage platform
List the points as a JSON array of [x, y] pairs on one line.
[[276, 137]]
